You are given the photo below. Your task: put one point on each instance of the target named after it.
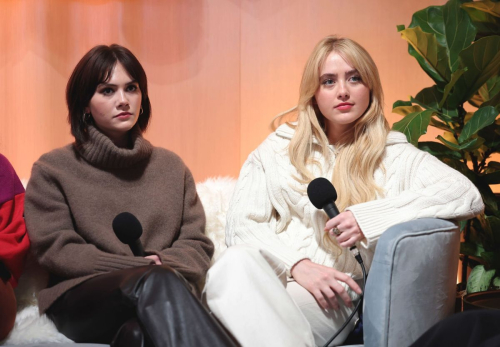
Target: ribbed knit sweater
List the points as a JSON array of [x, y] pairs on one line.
[[271, 210], [14, 242], [74, 193]]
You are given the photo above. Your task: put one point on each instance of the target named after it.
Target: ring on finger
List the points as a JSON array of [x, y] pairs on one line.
[[336, 231]]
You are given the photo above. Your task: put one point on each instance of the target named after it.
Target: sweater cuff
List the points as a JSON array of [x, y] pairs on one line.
[[374, 218], [288, 257], [110, 262], [289, 271]]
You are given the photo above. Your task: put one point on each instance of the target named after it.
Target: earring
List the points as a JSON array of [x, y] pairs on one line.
[[141, 112], [86, 117]]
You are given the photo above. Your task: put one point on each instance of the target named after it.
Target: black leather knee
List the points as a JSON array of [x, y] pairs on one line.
[[164, 276], [129, 335], [174, 317], [167, 312]]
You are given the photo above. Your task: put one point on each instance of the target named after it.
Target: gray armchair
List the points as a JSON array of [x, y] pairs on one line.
[[412, 281]]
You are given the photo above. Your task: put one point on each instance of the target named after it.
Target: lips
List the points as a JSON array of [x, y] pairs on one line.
[[344, 106], [123, 115]]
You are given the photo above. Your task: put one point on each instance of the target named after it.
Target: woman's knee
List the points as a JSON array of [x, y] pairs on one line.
[[242, 263], [165, 277], [238, 256]]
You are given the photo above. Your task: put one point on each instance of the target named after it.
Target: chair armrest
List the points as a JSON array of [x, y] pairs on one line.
[[412, 281]]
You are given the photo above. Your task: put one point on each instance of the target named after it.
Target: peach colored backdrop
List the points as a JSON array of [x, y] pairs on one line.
[[219, 70]]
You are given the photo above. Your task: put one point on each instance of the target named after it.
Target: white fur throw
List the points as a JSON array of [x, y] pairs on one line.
[[31, 328]]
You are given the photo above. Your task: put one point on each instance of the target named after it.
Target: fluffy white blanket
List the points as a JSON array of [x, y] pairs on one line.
[[31, 328]]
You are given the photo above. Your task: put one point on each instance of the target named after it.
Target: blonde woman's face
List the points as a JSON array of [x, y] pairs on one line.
[[342, 97]]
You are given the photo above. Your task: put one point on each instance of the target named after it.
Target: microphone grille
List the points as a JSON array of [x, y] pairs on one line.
[[321, 192], [127, 227]]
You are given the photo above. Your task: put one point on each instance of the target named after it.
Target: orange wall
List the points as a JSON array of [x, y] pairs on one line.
[[219, 70]]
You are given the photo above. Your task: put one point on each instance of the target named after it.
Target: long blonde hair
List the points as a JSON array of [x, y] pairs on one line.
[[358, 153]]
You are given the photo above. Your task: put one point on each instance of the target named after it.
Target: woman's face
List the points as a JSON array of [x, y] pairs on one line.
[[115, 105], [342, 97]]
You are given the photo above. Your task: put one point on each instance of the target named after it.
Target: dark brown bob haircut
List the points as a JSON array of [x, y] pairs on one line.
[[93, 69]]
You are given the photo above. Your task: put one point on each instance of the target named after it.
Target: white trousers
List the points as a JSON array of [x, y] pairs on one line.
[[247, 289]]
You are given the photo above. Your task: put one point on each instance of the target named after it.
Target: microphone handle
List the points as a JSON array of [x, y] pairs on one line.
[[136, 248], [331, 210]]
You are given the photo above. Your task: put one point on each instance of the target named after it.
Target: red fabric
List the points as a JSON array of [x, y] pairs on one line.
[[14, 242]]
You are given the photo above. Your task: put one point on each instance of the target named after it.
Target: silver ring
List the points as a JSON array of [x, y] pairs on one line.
[[336, 231]]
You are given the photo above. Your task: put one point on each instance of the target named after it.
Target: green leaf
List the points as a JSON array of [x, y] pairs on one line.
[[491, 137], [490, 88], [414, 125], [489, 198], [428, 69], [494, 101], [401, 103], [438, 150], [482, 60], [427, 46], [400, 27], [475, 143], [440, 125], [481, 118], [494, 226], [406, 110], [494, 165], [459, 31], [479, 279], [471, 248], [496, 282], [430, 98], [491, 259], [476, 231], [430, 20], [485, 235], [488, 91], [485, 6], [485, 22], [492, 178], [447, 89]]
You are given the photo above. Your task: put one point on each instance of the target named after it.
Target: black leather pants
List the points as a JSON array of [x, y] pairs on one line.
[[142, 306]]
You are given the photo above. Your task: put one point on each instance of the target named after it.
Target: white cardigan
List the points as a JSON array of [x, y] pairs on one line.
[[271, 210]]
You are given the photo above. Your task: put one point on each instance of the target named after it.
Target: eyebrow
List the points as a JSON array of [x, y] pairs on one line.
[[331, 75], [104, 84]]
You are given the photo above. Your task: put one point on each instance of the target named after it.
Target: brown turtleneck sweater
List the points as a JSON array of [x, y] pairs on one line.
[[74, 194]]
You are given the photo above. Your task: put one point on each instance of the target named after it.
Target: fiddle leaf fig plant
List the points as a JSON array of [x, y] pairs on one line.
[[458, 47]]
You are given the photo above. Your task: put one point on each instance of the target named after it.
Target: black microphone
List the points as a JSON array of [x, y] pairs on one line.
[[128, 229], [322, 194]]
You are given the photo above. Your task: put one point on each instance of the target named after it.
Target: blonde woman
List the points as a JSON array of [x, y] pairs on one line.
[[286, 278]]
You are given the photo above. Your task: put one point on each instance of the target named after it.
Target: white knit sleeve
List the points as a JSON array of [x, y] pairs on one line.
[[250, 218], [435, 190]]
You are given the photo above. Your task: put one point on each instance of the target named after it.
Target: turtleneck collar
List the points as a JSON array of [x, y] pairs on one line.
[[100, 151]]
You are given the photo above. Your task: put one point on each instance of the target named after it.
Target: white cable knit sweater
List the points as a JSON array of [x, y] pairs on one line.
[[271, 210]]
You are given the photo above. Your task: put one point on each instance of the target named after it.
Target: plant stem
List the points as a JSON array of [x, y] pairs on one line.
[[483, 162], [473, 159]]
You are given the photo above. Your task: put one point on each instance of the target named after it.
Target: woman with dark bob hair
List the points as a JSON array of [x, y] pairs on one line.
[[100, 289]]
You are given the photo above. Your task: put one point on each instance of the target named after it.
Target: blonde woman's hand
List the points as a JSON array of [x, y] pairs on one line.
[[348, 229], [323, 283], [155, 258]]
